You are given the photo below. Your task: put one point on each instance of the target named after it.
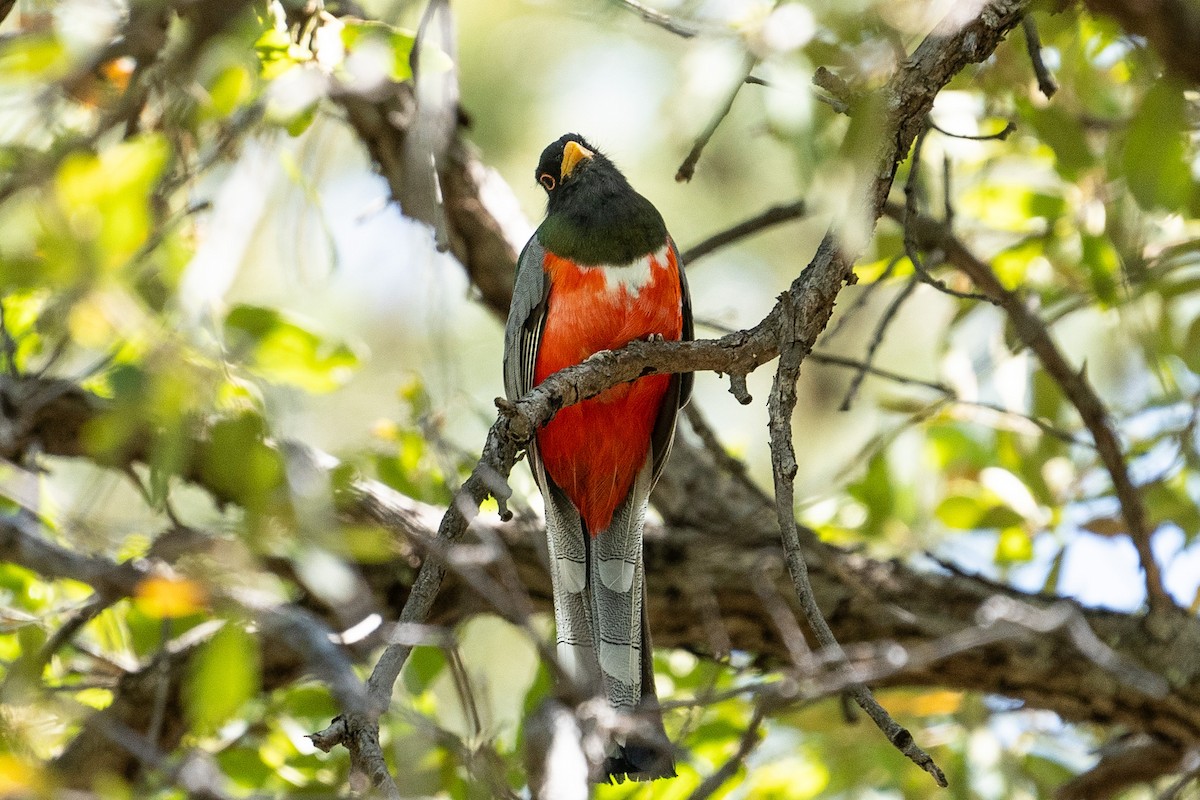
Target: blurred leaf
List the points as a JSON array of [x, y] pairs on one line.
[[1190, 351], [32, 56], [166, 598], [230, 89], [1014, 546], [245, 767], [1012, 263], [20, 777], [876, 492], [280, 350], [959, 512], [1103, 266], [309, 700], [397, 43], [106, 198], [1171, 502], [238, 464], [367, 544], [788, 778], [423, 667], [1154, 161], [1011, 206], [278, 53], [1105, 526], [1065, 135], [1050, 585], [223, 676]]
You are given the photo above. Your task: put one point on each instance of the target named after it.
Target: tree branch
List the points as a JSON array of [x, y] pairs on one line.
[[718, 537], [1171, 26], [774, 215], [1074, 384]]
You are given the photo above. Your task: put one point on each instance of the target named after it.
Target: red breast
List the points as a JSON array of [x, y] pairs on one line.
[[594, 449]]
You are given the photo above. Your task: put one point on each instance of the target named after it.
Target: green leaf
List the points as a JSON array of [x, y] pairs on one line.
[[398, 42], [1014, 546], [229, 89], [224, 675], [959, 512], [33, 56], [875, 491], [1012, 206], [423, 667], [1191, 346], [1103, 266], [106, 198], [1065, 135], [279, 349], [237, 464], [1154, 161]]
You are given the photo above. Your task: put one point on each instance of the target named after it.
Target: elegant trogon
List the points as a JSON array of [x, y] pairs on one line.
[[599, 272]]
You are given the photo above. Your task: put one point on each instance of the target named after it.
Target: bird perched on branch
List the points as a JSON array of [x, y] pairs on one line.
[[599, 272]]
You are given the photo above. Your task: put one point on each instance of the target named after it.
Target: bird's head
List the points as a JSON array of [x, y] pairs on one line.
[[570, 166]]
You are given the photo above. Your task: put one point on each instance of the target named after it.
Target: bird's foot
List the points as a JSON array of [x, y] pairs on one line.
[[597, 355]]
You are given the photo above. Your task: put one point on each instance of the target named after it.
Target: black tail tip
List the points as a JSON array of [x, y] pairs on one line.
[[636, 762]]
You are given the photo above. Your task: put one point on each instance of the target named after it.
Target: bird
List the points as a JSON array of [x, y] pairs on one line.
[[600, 271]]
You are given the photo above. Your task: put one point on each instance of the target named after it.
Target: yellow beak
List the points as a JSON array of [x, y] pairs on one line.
[[573, 153]]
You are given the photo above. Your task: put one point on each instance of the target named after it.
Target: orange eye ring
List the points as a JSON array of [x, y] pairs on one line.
[[547, 180]]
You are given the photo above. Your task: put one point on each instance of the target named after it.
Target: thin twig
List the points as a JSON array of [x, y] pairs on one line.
[[761, 221], [658, 18], [96, 604], [861, 300], [781, 614], [750, 740], [911, 208], [840, 94], [688, 168], [876, 340], [1033, 43], [1009, 128], [781, 405]]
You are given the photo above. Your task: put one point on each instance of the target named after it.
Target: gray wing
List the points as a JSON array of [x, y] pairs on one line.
[[565, 539], [680, 389], [526, 317]]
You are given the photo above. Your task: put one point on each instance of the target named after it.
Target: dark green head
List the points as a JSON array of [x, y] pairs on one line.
[[593, 215]]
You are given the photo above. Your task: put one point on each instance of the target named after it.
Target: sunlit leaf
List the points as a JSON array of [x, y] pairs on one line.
[[279, 349], [959, 512], [223, 676], [238, 464], [422, 668], [1154, 160], [1014, 546], [1012, 206], [788, 778], [1190, 352], [20, 777], [106, 197], [397, 43], [230, 89], [170, 597], [1103, 266], [33, 56]]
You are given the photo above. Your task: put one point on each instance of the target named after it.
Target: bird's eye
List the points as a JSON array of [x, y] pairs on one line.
[[547, 180]]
